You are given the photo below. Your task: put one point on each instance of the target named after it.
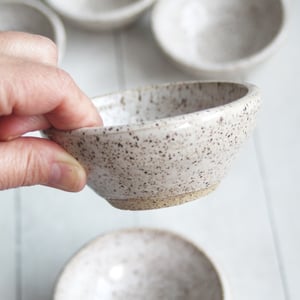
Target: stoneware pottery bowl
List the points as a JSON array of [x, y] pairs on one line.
[[140, 264], [101, 14], [33, 17], [163, 145], [217, 38]]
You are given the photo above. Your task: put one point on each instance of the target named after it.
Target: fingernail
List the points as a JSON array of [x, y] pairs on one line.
[[67, 175]]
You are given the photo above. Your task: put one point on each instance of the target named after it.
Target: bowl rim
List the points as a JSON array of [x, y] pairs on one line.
[[114, 15], [222, 67], [54, 20], [218, 269], [205, 115]]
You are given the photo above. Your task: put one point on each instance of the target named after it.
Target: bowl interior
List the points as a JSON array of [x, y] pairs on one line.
[[159, 102], [140, 264], [92, 6], [217, 31], [23, 17]]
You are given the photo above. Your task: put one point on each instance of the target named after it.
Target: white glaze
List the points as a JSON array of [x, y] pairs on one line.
[[218, 39], [141, 264], [101, 15], [163, 145]]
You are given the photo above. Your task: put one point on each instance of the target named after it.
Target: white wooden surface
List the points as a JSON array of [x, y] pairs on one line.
[[278, 147], [8, 245], [250, 225]]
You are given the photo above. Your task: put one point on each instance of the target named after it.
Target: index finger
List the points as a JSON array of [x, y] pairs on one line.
[[28, 46], [33, 89]]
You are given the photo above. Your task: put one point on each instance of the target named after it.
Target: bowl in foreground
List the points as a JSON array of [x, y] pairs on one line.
[[218, 39], [33, 17], [141, 264], [163, 145]]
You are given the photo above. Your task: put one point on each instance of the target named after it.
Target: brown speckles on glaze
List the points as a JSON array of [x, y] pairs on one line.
[[141, 264], [171, 151]]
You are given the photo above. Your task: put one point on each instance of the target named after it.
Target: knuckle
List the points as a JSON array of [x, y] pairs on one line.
[[65, 80], [32, 166], [49, 48], [28, 45]]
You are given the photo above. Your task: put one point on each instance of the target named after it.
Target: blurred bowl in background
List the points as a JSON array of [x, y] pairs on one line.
[[100, 14], [163, 145], [141, 264], [33, 17], [217, 38]]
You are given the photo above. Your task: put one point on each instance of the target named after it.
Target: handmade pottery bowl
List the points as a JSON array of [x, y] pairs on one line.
[[141, 264], [101, 15], [163, 145], [218, 39], [33, 17]]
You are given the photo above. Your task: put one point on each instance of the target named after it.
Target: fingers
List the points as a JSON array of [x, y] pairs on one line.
[[28, 46], [47, 91], [33, 89], [14, 126], [34, 95], [30, 161]]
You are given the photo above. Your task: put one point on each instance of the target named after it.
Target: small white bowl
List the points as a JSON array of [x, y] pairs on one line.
[[141, 264], [163, 145], [33, 17], [101, 15], [216, 38]]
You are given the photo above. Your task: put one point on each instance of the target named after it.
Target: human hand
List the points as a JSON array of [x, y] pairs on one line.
[[35, 95]]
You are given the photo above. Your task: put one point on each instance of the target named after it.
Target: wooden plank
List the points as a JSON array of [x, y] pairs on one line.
[[144, 62], [279, 147], [55, 225], [8, 245], [91, 60]]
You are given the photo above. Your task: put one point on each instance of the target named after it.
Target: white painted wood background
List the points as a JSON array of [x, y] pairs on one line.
[[250, 225]]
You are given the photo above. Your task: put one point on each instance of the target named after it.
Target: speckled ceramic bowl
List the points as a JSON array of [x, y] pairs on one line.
[[217, 38], [141, 264], [33, 17], [101, 15], [163, 145]]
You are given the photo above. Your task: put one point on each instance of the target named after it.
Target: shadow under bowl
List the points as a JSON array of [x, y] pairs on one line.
[[163, 145], [141, 264], [218, 39]]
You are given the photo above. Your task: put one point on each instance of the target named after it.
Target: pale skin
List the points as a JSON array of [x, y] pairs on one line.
[[35, 94]]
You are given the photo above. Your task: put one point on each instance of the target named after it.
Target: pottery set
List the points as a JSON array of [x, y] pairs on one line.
[[161, 145]]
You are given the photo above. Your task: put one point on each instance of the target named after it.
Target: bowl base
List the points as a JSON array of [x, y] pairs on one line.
[[153, 203]]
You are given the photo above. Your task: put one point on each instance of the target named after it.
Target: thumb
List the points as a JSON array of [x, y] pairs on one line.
[[29, 161]]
